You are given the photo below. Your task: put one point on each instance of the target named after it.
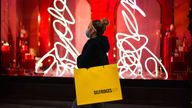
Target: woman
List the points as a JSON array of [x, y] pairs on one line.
[[95, 50]]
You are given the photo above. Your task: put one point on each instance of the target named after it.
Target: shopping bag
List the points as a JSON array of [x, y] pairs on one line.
[[97, 84]]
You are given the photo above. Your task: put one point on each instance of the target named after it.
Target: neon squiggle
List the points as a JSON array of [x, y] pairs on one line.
[[67, 63], [129, 63]]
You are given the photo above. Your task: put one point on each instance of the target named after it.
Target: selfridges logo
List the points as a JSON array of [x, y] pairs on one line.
[[102, 91]]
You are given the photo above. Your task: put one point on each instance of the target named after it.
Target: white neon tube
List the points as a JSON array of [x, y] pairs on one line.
[[62, 64], [129, 63]]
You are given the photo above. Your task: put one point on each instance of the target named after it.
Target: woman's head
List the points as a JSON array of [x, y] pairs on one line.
[[100, 25], [97, 27]]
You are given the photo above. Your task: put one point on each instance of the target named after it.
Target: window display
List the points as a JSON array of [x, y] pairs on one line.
[[44, 38]]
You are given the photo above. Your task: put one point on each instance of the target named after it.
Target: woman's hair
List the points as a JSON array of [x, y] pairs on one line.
[[100, 25]]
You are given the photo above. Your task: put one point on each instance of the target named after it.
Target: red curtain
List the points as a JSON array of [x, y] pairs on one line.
[[44, 26], [167, 18]]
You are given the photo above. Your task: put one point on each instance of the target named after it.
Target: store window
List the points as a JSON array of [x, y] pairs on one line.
[[147, 38]]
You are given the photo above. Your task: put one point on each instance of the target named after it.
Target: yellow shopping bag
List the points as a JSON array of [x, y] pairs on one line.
[[97, 84]]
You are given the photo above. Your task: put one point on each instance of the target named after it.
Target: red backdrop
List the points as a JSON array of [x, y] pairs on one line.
[[106, 9]]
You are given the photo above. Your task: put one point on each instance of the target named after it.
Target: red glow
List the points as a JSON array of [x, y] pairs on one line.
[[106, 9], [44, 26], [5, 48]]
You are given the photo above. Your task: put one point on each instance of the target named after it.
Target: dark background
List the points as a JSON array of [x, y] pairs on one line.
[[45, 91]]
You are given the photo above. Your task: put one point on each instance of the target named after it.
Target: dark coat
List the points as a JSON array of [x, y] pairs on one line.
[[94, 53]]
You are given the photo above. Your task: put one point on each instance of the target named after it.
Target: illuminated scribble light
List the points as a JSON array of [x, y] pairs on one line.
[[134, 69], [64, 64], [60, 65]]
